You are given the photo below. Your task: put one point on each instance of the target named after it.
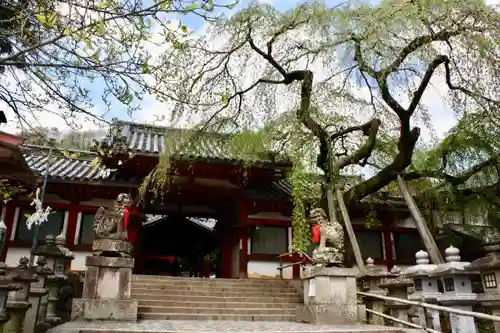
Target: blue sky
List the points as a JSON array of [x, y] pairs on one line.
[[195, 23]]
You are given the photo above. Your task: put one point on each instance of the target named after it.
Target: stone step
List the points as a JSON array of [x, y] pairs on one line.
[[169, 310], [208, 292], [214, 298], [208, 282], [203, 326], [217, 289], [228, 304], [213, 317], [201, 279]]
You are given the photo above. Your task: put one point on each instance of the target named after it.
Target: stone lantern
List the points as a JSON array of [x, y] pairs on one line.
[[489, 267], [455, 277], [18, 300], [426, 288], [6, 285], [57, 259], [397, 286], [369, 283]]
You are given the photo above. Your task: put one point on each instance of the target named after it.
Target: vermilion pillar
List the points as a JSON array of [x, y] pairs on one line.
[[9, 222], [244, 240]]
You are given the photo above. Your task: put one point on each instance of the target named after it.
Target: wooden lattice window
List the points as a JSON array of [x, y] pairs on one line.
[[490, 281], [449, 285], [269, 240], [418, 284]]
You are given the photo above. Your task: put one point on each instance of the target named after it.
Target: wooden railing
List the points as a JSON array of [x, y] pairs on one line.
[[425, 306], [304, 258]]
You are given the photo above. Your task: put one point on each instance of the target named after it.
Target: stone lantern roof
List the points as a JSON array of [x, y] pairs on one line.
[[423, 266], [372, 272], [490, 261], [453, 265], [395, 280]]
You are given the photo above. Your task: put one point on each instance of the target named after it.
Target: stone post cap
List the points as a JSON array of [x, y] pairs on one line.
[[22, 273], [50, 239], [423, 266], [453, 265], [422, 257], [372, 271], [489, 262], [452, 254], [395, 280], [60, 242], [41, 266], [395, 270], [49, 248], [6, 282]]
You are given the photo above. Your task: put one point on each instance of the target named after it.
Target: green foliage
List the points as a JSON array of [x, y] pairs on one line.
[[9, 190]]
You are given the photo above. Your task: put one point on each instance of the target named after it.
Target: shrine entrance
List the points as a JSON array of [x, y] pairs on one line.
[[179, 245]]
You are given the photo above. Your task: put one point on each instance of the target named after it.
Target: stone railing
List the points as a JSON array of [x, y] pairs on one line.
[[31, 297], [432, 297]]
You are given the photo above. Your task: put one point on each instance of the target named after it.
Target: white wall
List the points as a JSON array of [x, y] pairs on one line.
[[14, 254], [78, 264], [267, 269]]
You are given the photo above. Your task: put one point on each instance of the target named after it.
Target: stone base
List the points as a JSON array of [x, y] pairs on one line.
[[107, 289], [322, 314], [110, 309], [108, 247], [108, 278], [77, 309], [329, 296], [327, 257]]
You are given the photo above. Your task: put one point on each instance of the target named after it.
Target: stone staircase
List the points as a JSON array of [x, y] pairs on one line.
[[175, 298]]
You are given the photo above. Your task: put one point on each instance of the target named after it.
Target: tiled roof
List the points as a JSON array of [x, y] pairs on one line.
[[61, 167], [81, 168], [284, 186], [145, 139]]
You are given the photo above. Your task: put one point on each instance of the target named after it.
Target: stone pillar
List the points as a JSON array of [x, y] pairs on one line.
[[397, 286], [369, 283], [37, 293], [457, 287], [6, 285], [426, 289], [18, 300], [107, 289], [329, 296], [489, 266]]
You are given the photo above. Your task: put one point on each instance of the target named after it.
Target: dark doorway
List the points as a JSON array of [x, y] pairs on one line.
[[179, 245]]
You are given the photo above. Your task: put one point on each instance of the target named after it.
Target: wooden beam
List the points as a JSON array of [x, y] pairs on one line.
[[421, 224], [350, 230]]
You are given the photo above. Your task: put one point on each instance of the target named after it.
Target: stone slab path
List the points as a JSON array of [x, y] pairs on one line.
[[193, 326]]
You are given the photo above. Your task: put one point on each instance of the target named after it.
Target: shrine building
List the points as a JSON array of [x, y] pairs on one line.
[[234, 214]]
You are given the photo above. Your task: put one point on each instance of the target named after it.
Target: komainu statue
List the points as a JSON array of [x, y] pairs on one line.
[[110, 229], [331, 240]]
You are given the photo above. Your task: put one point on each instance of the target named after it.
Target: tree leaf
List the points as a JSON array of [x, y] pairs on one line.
[[42, 19], [101, 29], [88, 43], [94, 162]]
